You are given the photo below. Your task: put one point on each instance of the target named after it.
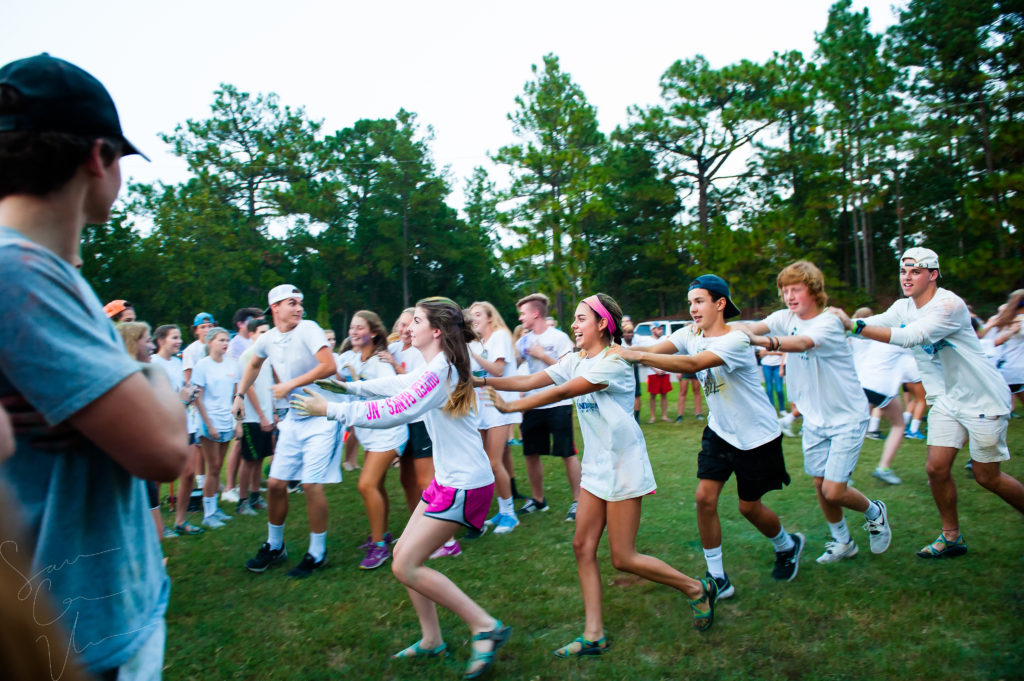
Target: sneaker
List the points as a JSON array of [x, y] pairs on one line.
[[213, 522], [493, 520], [308, 565], [679, 419], [914, 435], [533, 506], [376, 556], [835, 552], [516, 442], [943, 548], [473, 533], [725, 587], [700, 417], [186, 529], [875, 435], [447, 551], [294, 487], [388, 539], [570, 516], [258, 504], [266, 557], [169, 533], [230, 496], [886, 475], [506, 523], [879, 531], [787, 563], [221, 516], [244, 508], [787, 429]]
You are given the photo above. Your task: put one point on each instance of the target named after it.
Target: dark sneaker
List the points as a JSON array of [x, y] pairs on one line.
[[266, 557], [570, 517], [875, 435], [725, 587], [787, 563], [307, 565], [533, 506]]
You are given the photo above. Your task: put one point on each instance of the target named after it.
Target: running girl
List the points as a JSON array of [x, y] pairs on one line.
[[616, 471], [442, 392]]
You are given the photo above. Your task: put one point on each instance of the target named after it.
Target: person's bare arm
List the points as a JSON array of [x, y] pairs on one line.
[[495, 368], [140, 423], [249, 374], [676, 364], [573, 388], [537, 351], [325, 369], [516, 383]]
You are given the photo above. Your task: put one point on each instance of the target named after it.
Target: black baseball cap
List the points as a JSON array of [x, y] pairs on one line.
[[715, 284], [60, 97]]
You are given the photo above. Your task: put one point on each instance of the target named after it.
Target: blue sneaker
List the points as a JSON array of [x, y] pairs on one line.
[[915, 435], [493, 520], [506, 523]]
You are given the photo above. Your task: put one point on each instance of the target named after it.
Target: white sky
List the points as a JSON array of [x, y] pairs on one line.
[[457, 64]]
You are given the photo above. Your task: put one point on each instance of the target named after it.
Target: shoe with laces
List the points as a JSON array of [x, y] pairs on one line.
[[245, 508], [725, 587], [835, 552], [266, 557], [874, 435], [307, 566], [213, 522], [533, 506], [915, 435], [447, 551], [570, 516], [879, 531], [388, 539], [376, 555], [887, 476], [258, 504], [787, 563], [506, 523], [230, 495], [493, 520], [221, 516]]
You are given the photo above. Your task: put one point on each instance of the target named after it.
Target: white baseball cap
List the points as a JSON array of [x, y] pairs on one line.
[[282, 292], [924, 258]]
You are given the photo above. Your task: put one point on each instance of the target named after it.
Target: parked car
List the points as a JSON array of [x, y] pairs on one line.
[[643, 329]]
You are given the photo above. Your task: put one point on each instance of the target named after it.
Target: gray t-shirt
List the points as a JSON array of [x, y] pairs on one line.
[[95, 552]]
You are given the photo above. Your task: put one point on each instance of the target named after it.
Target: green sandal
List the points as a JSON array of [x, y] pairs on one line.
[[582, 647], [416, 650], [703, 619], [499, 635], [187, 528], [943, 548]]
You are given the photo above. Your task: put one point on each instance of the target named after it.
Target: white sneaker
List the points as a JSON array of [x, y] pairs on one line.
[[787, 428], [835, 552], [230, 496], [879, 532], [505, 523], [221, 516], [244, 508], [212, 522]]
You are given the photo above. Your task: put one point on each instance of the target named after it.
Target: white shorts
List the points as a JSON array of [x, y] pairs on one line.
[[832, 453], [908, 368], [306, 451], [987, 435], [492, 418], [382, 439]]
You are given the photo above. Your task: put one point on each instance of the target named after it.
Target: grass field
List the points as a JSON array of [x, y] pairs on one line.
[[889, 616]]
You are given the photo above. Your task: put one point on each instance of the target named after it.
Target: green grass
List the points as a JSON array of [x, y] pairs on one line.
[[892, 616]]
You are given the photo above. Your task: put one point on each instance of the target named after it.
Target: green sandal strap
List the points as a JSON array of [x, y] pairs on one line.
[[416, 650], [581, 647], [702, 620], [499, 635]]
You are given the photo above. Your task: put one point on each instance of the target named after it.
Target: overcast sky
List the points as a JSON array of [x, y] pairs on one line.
[[458, 65]]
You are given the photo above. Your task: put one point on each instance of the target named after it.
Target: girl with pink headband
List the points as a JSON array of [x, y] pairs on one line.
[[616, 470]]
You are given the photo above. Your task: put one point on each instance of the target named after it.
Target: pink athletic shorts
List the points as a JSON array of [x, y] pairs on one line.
[[467, 507]]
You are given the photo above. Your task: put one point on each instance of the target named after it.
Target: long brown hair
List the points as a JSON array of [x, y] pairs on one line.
[[447, 317], [378, 334], [1011, 309]]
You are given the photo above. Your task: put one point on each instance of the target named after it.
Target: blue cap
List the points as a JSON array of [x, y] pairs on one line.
[[203, 318], [715, 284]]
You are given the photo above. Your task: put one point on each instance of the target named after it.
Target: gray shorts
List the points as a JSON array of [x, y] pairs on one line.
[[832, 453]]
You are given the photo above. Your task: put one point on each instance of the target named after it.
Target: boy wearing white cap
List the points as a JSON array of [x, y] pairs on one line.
[[300, 354], [970, 401]]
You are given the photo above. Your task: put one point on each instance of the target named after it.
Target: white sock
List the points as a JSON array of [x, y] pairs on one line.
[[840, 532], [782, 541], [209, 506], [275, 535], [906, 417], [873, 511], [505, 506], [915, 426], [200, 479], [713, 557], [874, 423], [788, 419], [317, 544], [450, 542]]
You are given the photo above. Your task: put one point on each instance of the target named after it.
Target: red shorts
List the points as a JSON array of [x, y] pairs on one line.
[[659, 384], [467, 507]]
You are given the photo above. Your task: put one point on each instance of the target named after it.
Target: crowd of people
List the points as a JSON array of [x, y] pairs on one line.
[[439, 396]]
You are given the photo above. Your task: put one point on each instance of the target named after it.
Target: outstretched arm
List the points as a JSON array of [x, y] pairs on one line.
[[774, 343], [677, 364], [573, 388], [515, 383]]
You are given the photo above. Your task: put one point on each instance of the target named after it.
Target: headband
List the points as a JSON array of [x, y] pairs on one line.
[[601, 311]]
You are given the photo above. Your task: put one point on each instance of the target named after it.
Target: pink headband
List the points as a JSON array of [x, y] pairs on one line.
[[601, 311]]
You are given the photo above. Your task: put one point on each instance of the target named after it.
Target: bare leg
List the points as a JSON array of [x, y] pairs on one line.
[[535, 473], [1005, 486], [415, 475], [590, 520], [277, 501], [573, 472], [234, 459], [761, 517], [833, 497], [893, 413], [698, 408], [940, 462], [185, 484], [371, 488], [350, 461], [316, 506], [213, 455], [708, 524], [494, 444]]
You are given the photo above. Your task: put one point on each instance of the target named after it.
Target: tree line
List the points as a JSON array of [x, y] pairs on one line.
[[873, 143]]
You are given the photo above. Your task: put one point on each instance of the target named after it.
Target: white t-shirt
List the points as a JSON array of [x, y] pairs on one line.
[[498, 346], [171, 367], [1011, 356], [954, 369], [218, 381], [555, 343], [459, 457], [822, 381], [771, 360], [879, 365], [192, 354], [740, 412], [615, 465], [237, 346], [293, 353], [374, 439], [263, 386]]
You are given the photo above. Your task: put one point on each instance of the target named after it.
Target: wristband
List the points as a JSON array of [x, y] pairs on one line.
[[237, 395], [485, 380], [858, 326]]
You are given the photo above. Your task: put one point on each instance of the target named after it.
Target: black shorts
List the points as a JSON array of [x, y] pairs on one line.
[[1016, 388], [153, 494], [758, 470], [542, 427], [418, 446], [193, 438], [257, 444], [876, 399]]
